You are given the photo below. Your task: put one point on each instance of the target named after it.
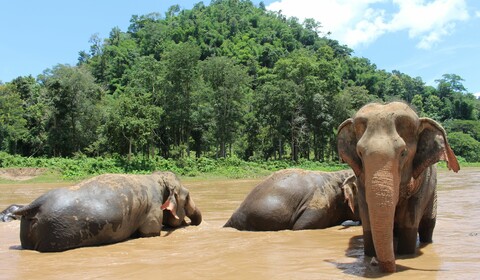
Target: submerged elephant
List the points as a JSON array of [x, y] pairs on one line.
[[392, 152], [297, 199], [105, 209]]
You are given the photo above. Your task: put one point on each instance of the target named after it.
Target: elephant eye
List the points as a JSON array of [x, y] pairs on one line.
[[404, 153]]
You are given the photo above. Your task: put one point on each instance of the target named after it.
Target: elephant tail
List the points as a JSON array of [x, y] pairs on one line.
[[7, 214], [28, 210]]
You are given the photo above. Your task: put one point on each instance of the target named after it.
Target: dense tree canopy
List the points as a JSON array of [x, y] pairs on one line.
[[219, 80]]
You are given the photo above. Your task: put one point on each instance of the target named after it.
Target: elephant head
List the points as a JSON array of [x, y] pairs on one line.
[[179, 204], [389, 147]]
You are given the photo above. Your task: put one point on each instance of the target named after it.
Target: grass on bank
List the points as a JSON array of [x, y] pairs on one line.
[[81, 167]]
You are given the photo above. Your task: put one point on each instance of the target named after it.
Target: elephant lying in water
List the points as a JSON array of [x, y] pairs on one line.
[[297, 199], [105, 209]]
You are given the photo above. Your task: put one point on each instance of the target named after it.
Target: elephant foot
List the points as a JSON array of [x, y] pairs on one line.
[[387, 266], [407, 241], [425, 230]]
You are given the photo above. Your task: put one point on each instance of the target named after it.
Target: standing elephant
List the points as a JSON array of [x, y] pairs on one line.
[[105, 209], [297, 199], [392, 152]]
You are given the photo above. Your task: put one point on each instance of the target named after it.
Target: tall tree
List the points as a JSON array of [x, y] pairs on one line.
[[280, 109], [36, 114], [136, 111], [131, 121], [180, 76], [448, 84], [230, 84], [12, 123], [73, 97]]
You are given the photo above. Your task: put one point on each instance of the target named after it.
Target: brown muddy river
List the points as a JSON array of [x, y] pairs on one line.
[[212, 252]]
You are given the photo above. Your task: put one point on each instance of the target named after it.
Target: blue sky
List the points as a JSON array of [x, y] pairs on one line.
[[417, 37]]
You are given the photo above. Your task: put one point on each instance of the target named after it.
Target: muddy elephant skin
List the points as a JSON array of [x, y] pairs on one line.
[[393, 154], [296, 199], [105, 209]]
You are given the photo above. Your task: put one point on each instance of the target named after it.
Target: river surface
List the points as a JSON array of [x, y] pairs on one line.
[[212, 252]]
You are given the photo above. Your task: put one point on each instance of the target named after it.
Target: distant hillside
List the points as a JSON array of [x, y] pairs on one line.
[[214, 81]]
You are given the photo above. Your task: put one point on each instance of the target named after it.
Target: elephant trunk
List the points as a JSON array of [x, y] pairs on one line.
[[382, 191], [196, 217], [192, 212]]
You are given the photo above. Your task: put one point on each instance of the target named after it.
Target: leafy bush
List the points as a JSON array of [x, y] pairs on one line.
[[465, 146], [232, 167]]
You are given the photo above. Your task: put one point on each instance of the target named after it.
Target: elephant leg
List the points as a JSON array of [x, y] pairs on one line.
[[407, 240], [152, 225], [149, 229], [425, 230], [311, 219], [427, 223]]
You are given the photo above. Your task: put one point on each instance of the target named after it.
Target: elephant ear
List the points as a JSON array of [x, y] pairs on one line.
[[171, 203], [432, 147], [348, 188], [347, 146]]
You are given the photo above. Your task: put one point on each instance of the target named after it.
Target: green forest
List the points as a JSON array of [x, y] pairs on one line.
[[227, 80]]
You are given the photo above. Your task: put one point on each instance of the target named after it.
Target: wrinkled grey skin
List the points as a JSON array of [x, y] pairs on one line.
[[105, 209], [393, 154], [7, 216], [297, 199]]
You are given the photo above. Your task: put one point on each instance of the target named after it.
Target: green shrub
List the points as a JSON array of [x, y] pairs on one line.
[[464, 145], [80, 166]]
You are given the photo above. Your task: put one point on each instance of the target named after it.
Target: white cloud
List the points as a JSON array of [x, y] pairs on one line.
[[367, 30], [428, 22], [434, 36], [356, 22], [336, 16]]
